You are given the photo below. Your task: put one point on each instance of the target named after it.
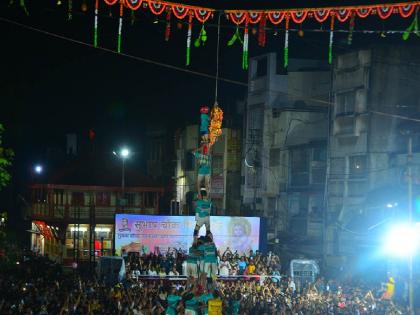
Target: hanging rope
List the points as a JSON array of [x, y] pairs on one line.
[[217, 59]]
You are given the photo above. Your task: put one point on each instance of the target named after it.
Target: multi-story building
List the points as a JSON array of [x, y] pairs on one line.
[[71, 222], [226, 176], [375, 91], [285, 145]]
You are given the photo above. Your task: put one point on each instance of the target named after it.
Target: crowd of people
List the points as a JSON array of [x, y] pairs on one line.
[[174, 263], [40, 287]]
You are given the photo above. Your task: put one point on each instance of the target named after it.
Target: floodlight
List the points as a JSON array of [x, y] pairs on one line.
[[402, 240]]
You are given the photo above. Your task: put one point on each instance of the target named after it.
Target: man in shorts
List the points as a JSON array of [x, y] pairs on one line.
[[192, 261], [204, 170], [202, 214], [210, 257]]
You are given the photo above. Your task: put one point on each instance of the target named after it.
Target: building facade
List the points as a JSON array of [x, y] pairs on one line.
[[375, 91], [71, 222], [284, 156]]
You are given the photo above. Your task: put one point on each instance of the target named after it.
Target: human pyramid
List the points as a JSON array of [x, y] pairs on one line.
[[202, 255]]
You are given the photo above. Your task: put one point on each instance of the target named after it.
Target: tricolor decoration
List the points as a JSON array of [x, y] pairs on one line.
[[330, 47], [266, 19], [95, 31], [245, 48], [120, 26], [286, 44], [189, 33]]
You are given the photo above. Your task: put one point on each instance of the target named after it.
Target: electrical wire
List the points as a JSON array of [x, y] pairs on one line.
[[145, 60]]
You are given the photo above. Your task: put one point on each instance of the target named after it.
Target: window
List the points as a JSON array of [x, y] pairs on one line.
[[356, 188], [261, 67], [103, 199], [318, 168], [130, 198], [255, 124], [253, 177], [345, 103], [78, 199], [59, 196], [337, 168], [336, 188], [275, 112], [274, 157], [299, 167], [357, 166], [316, 206], [320, 154]]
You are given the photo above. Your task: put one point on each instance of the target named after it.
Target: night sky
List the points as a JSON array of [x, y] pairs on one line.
[[50, 86]]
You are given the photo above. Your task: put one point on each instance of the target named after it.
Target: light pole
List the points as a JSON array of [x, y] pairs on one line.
[[408, 131], [410, 221], [123, 154]]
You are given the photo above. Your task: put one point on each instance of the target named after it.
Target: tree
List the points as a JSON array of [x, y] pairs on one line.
[[6, 157]]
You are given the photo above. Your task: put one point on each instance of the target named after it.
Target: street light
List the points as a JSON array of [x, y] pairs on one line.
[[123, 154], [38, 169]]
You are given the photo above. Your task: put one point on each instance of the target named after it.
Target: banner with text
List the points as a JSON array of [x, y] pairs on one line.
[[149, 233]]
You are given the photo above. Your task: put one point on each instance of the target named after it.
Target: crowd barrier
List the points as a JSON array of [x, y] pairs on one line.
[[222, 278]]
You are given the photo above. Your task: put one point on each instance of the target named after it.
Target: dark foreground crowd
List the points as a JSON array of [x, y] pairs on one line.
[[40, 287]]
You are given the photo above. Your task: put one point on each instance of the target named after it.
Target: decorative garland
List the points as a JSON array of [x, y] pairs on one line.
[[168, 25], [384, 11], [189, 33], [95, 32], [330, 47], [245, 47], [343, 13], [286, 45], [120, 26], [414, 27], [261, 32], [275, 17], [215, 127]]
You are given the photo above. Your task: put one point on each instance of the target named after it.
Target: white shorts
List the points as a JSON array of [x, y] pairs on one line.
[[192, 270], [205, 177], [210, 269], [190, 312], [200, 221]]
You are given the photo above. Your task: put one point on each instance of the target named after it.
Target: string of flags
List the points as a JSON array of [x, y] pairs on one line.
[[243, 19]]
